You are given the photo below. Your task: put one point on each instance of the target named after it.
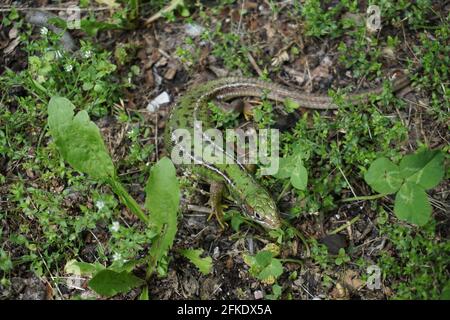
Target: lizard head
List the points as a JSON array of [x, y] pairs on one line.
[[263, 210]]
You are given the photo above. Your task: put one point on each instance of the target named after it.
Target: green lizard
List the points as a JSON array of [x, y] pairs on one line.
[[255, 201]]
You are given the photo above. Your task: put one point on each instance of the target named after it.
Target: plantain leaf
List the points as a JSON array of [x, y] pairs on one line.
[[78, 140], [82, 268], [109, 283], [162, 200]]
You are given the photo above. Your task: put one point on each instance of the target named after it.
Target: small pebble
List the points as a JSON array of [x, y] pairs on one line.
[[216, 253], [158, 101], [193, 30], [258, 295]]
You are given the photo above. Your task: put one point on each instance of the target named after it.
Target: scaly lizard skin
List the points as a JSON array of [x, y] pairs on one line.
[[254, 200]]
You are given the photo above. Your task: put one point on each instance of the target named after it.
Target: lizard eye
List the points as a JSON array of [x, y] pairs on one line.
[[257, 216]]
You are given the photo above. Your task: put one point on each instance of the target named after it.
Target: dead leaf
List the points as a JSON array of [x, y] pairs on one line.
[[280, 58], [339, 292], [170, 73], [110, 3], [12, 45], [352, 280], [322, 71], [13, 33], [270, 32]]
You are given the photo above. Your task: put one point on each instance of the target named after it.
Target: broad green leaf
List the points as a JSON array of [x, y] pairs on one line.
[[162, 200], [425, 168], [412, 205], [109, 283], [78, 139], [271, 272], [263, 258], [82, 268], [299, 177], [249, 260], [285, 168], [127, 266], [203, 264], [383, 176], [60, 115]]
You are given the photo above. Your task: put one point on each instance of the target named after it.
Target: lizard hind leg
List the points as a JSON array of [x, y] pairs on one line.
[[217, 190]]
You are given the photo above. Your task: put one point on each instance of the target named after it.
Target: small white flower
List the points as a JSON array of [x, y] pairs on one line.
[[115, 226], [58, 54], [44, 31], [130, 133], [68, 67], [87, 54], [100, 204], [117, 256]]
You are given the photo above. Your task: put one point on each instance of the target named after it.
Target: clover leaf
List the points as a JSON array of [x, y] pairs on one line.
[[384, 176], [292, 167], [412, 205], [415, 174], [424, 168]]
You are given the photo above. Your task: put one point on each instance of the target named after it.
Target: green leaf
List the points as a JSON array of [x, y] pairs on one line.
[[144, 294], [203, 264], [109, 283], [78, 140], [263, 258], [285, 168], [299, 177], [383, 176], [5, 261], [127, 266], [290, 105], [162, 200], [82, 268], [264, 266], [425, 168], [236, 221], [271, 272], [412, 205], [445, 294], [60, 115], [276, 292]]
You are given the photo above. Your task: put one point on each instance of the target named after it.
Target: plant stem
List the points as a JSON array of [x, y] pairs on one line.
[[285, 189], [299, 235], [292, 261], [345, 225], [127, 199], [372, 197]]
